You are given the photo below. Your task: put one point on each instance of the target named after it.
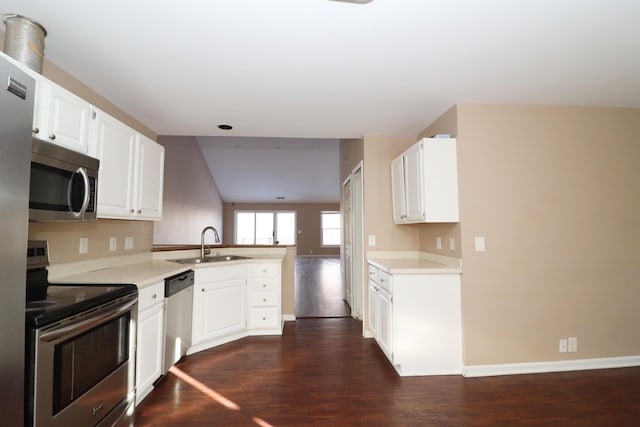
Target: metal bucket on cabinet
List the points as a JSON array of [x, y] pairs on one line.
[[24, 40]]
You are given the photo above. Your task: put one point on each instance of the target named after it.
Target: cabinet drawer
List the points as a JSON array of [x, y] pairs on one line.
[[264, 299], [263, 270], [264, 317], [385, 281], [217, 273], [373, 273], [264, 284], [150, 295]]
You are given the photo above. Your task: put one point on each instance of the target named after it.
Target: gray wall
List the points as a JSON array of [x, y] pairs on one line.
[[191, 198]]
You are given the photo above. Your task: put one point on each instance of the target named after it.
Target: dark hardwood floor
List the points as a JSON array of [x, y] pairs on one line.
[[321, 372], [319, 289]]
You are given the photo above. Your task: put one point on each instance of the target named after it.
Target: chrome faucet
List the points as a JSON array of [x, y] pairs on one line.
[[204, 230]]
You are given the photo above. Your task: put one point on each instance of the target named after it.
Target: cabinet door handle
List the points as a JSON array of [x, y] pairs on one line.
[[154, 296], [264, 285], [139, 211], [52, 136], [264, 318], [202, 290], [36, 130], [264, 300], [131, 211]]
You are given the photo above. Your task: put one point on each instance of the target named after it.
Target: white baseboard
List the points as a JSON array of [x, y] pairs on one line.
[[556, 366], [288, 317]]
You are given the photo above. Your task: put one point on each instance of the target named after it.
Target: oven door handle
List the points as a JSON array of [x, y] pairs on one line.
[[76, 328]]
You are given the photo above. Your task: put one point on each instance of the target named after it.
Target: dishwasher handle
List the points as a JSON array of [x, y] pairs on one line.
[[177, 283]]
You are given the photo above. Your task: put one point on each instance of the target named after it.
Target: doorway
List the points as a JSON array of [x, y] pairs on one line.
[[319, 288]]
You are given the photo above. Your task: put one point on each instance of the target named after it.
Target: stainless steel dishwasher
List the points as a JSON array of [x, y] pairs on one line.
[[178, 292]]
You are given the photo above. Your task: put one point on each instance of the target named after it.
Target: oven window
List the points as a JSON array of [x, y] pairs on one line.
[[85, 360]]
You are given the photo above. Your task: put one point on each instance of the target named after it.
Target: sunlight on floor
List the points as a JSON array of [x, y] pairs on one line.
[[213, 394], [204, 389]]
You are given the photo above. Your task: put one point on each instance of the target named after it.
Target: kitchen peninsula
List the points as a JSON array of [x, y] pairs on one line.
[[231, 299]]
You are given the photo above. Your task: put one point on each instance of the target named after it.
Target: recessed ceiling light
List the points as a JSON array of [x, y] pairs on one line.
[[225, 127], [355, 1]]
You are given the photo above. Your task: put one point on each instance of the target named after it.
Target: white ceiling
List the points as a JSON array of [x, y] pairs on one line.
[[326, 69], [263, 169]]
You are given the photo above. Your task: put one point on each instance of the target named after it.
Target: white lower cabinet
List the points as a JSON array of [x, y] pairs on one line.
[[416, 320], [150, 338], [218, 305], [235, 301]]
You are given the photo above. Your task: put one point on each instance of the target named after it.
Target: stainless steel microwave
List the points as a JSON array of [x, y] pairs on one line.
[[64, 184]]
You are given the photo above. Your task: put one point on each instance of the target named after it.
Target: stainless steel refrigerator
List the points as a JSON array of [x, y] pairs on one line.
[[16, 116]]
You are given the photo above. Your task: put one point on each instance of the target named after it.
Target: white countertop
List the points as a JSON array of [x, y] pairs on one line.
[[414, 263], [145, 272], [141, 273]]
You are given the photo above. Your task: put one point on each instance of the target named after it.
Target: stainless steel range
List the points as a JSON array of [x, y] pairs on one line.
[[80, 348]]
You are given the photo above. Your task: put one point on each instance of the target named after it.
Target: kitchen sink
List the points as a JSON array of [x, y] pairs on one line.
[[207, 259]]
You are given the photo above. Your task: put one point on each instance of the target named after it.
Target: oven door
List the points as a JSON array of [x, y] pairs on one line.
[[84, 366]]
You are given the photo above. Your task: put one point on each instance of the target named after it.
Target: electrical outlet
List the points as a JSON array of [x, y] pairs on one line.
[[562, 345], [128, 243], [573, 344], [452, 243], [372, 240], [113, 244], [480, 244], [84, 245], [439, 243]]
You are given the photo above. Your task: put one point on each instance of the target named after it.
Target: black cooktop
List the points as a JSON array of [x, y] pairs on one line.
[[48, 303], [63, 300]]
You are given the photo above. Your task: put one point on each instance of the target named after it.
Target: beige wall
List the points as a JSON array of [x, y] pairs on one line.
[[191, 198], [307, 217], [64, 238], [378, 221], [351, 153], [554, 190]]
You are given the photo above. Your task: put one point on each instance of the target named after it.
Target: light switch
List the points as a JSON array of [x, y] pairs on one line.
[[480, 245], [84, 245], [113, 243], [372, 240], [452, 243], [128, 243], [438, 242]]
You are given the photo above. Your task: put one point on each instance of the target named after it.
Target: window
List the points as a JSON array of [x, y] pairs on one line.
[[260, 227], [330, 223]]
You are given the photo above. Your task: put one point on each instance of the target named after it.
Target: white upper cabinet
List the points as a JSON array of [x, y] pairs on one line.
[[131, 171], [150, 178], [397, 189], [61, 117], [424, 182]]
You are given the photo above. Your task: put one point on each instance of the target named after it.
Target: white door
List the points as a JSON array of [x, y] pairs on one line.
[[221, 308], [150, 179], [357, 243], [413, 183], [398, 189], [114, 144], [347, 262]]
